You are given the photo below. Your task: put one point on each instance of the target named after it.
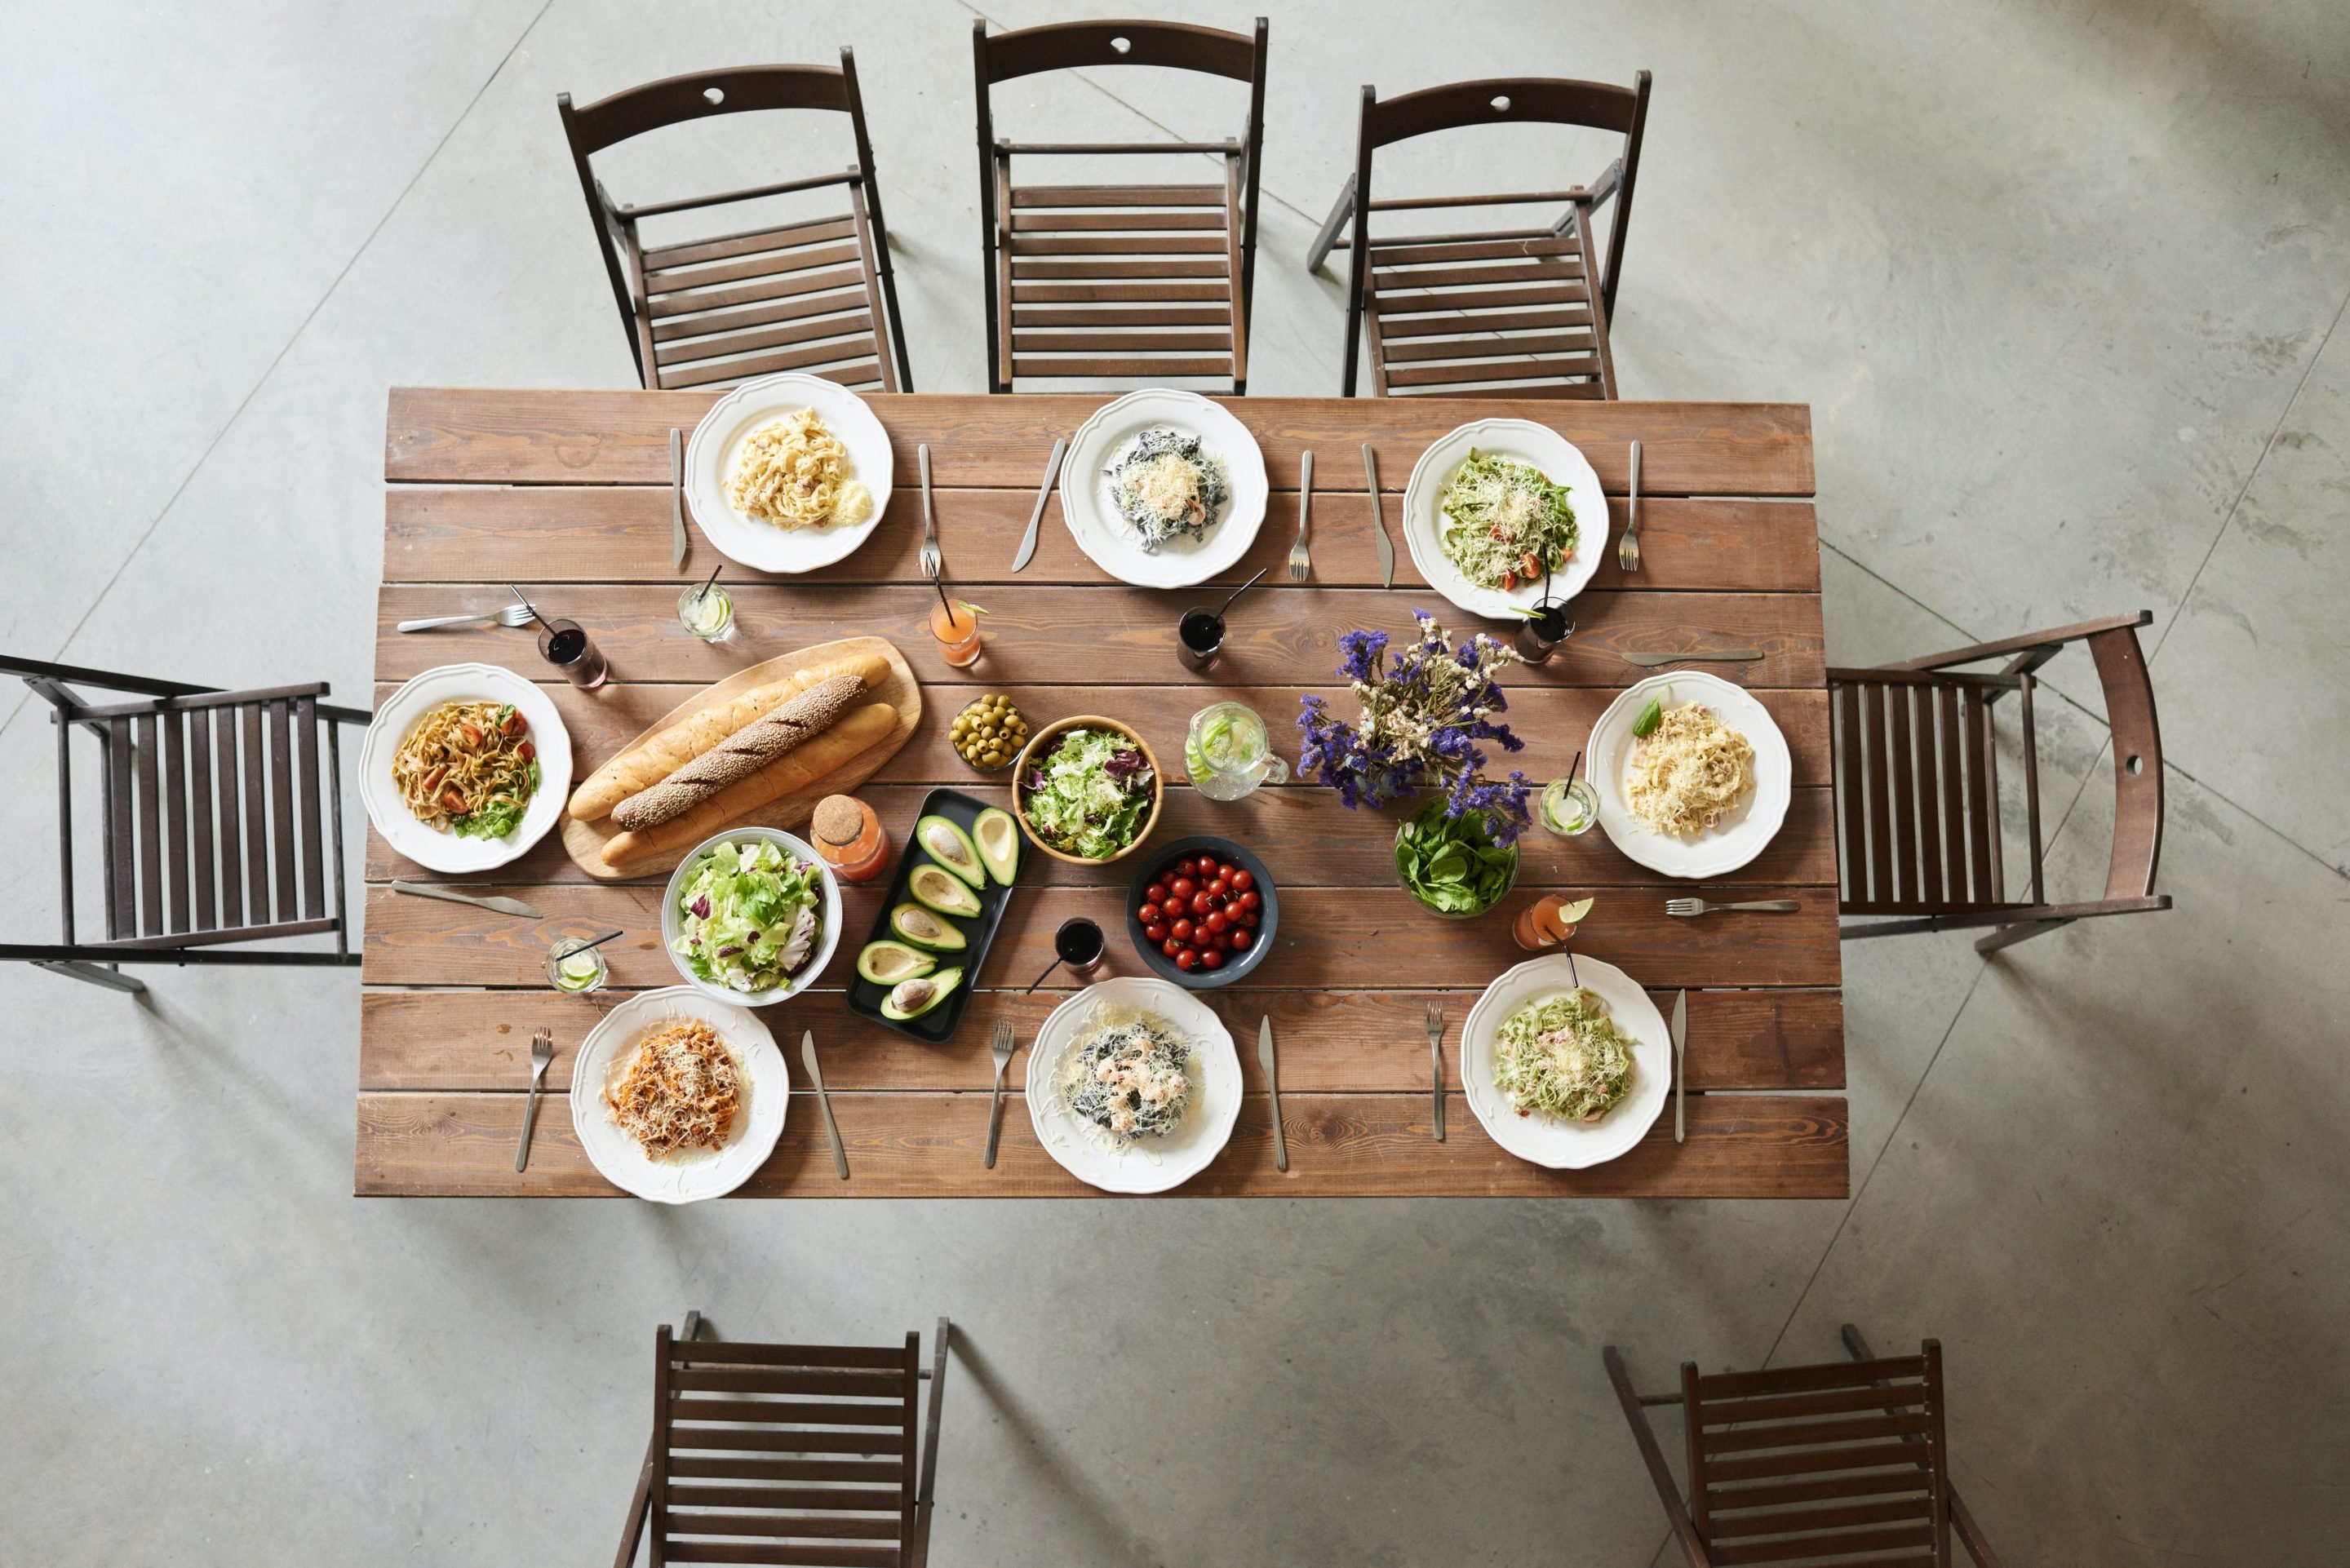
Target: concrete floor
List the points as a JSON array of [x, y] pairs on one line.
[[2061, 284]]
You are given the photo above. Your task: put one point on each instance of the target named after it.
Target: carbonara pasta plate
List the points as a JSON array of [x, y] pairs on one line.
[[466, 767], [1706, 790], [788, 472], [677, 1096]]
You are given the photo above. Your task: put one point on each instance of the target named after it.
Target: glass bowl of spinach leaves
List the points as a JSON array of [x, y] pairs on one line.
[[1452, 865]]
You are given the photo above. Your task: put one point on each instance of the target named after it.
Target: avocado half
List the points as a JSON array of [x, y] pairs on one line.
[[912, 998], [924, 929], [935, 888], [998, 837], [950, 847], [887, 963]]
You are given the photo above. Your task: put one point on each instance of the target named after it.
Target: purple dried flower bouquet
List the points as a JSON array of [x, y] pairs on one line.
[[1423, 717]]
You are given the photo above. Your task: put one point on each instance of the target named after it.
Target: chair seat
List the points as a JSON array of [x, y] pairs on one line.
[[794, 297], [1508, 316], [1122, 280]]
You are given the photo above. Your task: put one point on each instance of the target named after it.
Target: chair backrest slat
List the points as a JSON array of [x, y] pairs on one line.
[[314, 855], [121, 845], [281, 806], [232, 839], [1078, 45], [1539, 100], [200, 814], [1954, 810], [256, 817], [2138, 762], [175, 817], [151, 838]]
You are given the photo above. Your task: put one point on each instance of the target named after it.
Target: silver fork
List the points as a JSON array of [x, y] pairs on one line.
[[542, 1052], [508, 616], [1001, 1044], [1700, 906], [1628, 549], [1301, 560], [931, 560], [1436, 1060]]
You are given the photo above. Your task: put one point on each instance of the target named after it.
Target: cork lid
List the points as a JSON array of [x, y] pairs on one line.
[[838, 821]]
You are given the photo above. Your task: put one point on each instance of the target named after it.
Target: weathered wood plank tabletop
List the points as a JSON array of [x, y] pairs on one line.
[[569, 491]]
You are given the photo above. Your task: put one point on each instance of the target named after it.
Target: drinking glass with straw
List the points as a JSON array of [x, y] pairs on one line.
[[708, 612], [956, 626], [565, 645]]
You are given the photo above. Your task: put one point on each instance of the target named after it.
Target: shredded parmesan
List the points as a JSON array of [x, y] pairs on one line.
[[680, 1093]]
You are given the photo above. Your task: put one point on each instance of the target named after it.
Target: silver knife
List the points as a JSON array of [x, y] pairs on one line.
[[503, 906], [1718, 656], [816, 1077], [1680, 1065], [1378, 520], [1272, 1084], [1045, 494], [677, 498]]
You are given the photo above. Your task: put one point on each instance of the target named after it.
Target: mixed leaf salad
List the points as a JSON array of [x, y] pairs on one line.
[[1087, 793], [749, 915], [1505, 522], [1454, 865]]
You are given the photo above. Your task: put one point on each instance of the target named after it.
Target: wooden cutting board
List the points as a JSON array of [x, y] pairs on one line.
[[585, 841]]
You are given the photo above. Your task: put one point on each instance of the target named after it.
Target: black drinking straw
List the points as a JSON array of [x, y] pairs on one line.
[[527, 605], [704, 592], [939, 583]]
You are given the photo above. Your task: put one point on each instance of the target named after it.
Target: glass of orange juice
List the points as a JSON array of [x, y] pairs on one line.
[[956, 626]]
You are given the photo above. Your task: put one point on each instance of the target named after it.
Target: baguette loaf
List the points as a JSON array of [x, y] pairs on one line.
[[739, 755], [861, 730], [646, 765]]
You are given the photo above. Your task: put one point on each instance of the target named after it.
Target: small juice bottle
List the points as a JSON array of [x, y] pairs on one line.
[[957, 630], [848, 837]]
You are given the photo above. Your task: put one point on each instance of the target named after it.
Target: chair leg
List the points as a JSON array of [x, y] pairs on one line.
[[1339, 212], [919, 1549], [2008, 936], [96, 974]]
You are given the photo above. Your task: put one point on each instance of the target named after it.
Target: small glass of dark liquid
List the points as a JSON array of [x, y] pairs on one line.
[[1078, 944], [1540, 634], [1200, 638], [565, 645]]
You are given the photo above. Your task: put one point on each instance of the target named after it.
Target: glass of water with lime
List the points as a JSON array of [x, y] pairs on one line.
[[1569, 806], [1228, 752], [575, 967], [707, 611]]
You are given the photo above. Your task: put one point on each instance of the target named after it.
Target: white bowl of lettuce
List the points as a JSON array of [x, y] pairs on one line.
[[1086, 790], [751, 916]]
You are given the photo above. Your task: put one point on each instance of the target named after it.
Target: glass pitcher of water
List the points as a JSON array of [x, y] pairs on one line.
[[1228, 752]]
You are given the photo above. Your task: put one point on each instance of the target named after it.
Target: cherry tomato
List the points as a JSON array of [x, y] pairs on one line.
[[1155, 892], [1171, 946], [1156, 931], [1182, 888], [1181, 930], [1222, 940], [1221, 888], [1211, 958], [1243, 881], [1217, 921], [1253, 916], [1174, 909], [1240, 939], [1251, 899], [1148, 913], [1202, 903], [1187, 960]]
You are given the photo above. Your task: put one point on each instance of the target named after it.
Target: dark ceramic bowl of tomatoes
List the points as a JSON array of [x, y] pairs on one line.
[[1202, 912]]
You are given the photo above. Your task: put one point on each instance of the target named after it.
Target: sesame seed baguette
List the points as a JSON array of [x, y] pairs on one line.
[[859, 732], [740, 754]]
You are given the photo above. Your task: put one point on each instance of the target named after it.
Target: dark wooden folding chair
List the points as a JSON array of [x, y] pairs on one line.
[[221, 823], [788, 1453], [1843, 1463], [1487, 312], [1090, 281], [814, 295], [1917, 781]]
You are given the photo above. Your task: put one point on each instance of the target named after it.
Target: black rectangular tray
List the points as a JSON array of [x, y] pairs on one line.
[[937, 1026]]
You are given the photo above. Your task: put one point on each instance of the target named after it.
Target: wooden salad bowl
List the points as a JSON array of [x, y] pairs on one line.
[[1041, 738]]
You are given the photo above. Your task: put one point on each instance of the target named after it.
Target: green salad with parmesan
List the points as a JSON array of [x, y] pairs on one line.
[[1505, 523], [1563, 1056]]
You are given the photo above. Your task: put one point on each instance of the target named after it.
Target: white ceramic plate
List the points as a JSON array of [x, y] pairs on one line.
[[828, 936], [1423, 522], [689, 1178], [1545, 1140], [717, 440], [404, 709], [1151, 1165], [1105, 536], [1744, 830]]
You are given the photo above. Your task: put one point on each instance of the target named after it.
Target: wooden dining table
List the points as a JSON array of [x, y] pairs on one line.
[[568, 494]]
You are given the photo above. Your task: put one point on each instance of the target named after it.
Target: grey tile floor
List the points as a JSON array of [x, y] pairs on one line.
[[2062, 285]]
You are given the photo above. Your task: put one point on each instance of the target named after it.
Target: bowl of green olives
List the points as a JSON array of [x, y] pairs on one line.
[[989, 733]]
